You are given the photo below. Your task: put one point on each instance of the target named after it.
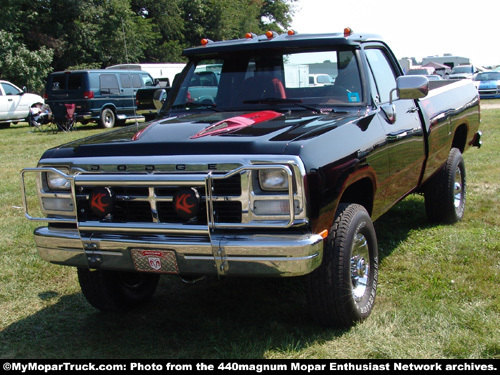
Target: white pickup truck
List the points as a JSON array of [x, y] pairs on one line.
[[15, 103]]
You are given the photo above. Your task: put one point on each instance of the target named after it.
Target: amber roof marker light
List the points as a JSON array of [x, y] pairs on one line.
[[271, 34], [347, 32]]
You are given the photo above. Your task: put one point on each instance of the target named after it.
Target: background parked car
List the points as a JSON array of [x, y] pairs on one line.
[[434, 77], [423, 71], [106, 96], [488, 84], [15, 103], [463, 72]]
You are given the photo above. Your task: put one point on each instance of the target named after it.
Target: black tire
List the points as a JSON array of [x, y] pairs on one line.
[[445, 192], [342, 290], [116, 291], [107, 119]]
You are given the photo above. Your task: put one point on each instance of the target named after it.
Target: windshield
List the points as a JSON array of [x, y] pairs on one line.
[[462, 69], [244, 81], [489, 76]]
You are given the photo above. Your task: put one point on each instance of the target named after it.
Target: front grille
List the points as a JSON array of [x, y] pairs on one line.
[[154, 204], [489, 92]]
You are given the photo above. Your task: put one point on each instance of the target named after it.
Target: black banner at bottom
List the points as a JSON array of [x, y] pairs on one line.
[[296, 366]]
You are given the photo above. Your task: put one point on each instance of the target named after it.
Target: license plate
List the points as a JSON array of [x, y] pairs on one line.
[[161, 261]]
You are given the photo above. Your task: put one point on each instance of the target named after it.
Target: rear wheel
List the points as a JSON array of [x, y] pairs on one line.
[[445, 193], [108, 118], [342, 290], [116, 290]]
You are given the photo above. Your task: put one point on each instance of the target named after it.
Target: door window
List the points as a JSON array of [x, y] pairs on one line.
[[384, 78], [109, 84], [136, 81], [125, 81], [10, 90], [59, 82], [146, 80], [75, 81]]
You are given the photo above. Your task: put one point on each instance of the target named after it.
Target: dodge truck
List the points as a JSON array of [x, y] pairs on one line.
[[264, 175]]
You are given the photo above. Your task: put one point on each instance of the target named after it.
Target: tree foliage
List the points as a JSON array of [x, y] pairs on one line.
[[43, 35], [19, 64]]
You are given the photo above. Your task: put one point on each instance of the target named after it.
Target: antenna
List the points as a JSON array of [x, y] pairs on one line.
[[143, 12], [124, 42]]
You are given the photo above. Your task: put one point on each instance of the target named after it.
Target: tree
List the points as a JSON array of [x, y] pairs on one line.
[[167, 21], [99, 33], [21, 66], [230, 19]]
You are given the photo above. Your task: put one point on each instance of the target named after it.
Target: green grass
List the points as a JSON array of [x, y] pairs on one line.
[[438, 293]]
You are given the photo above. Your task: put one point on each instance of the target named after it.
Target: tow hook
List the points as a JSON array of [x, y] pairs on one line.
[[94, 260]]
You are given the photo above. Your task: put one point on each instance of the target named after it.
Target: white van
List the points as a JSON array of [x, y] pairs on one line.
[[164, 73]]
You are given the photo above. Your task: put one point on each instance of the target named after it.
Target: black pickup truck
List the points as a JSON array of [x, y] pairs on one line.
[[263, 175]]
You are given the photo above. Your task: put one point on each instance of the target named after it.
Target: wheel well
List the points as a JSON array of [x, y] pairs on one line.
[[460, 138], [109, 106], [360, 192]]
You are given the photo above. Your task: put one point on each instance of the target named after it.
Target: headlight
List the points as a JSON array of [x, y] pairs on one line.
[[56, 181], [273, 179]]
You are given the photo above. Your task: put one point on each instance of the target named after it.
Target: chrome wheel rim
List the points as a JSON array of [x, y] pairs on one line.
[[458, 195], [360, 266], [107, 119]]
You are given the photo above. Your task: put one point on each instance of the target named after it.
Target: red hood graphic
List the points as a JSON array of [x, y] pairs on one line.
[[235, 123]]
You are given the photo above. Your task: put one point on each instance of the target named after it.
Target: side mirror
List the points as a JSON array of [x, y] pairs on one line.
[[159, 98], [412, 87]]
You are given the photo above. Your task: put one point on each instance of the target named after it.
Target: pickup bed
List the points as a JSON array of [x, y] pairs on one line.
[[263, 175]]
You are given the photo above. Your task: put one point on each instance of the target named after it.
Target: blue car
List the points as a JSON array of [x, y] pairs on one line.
[[489, 84]]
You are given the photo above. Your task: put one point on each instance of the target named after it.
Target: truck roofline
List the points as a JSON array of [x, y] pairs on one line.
[[280, 41]]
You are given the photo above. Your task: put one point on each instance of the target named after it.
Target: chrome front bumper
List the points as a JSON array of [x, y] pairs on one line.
[[223, 255]]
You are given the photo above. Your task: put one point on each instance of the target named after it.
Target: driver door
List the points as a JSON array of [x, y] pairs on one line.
[[400, 118], [9, 102]]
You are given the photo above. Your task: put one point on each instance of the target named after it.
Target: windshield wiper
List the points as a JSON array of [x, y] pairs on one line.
[[297, 102]]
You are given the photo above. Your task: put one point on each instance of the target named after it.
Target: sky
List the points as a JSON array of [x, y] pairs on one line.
[[412, 28]]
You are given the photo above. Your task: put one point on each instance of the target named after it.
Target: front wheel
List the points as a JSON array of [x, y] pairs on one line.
[[108, 118], [116, 290], [342, 290], [445, 193]]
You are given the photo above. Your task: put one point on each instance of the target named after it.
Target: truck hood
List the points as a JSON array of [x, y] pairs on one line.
[[264, 132]]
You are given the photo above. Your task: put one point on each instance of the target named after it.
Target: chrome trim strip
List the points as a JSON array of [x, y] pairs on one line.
[[165, 228], [145, 180]]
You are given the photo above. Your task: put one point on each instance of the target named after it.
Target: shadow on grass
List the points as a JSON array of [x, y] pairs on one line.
[[233, 318], [395, 226]]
